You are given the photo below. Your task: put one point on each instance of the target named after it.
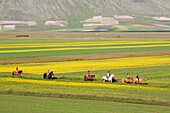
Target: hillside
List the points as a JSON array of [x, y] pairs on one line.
[[74, 12], [79, 9]]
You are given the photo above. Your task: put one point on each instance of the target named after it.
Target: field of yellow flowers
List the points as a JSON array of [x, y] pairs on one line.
[[80, 66], [70, 74], [21, 49]]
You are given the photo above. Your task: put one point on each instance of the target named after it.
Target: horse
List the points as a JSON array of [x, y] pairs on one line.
[[140, 80], [128, 80], [89, 78], [19, 73], [111, 78], [49, 76]]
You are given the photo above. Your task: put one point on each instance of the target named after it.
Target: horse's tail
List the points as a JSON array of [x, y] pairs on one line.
[[20, 71]]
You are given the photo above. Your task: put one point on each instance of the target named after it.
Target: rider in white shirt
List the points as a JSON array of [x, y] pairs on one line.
[[108, 75], [48, 72]]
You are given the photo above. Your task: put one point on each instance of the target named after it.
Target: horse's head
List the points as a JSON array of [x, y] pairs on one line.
[[20, 71], [144, 78], [51, 73], [112, 75]]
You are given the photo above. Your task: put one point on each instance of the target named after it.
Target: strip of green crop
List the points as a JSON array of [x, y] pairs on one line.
[[96, 91], [37, 48], [20, 104], [78, 52], [155, 92]]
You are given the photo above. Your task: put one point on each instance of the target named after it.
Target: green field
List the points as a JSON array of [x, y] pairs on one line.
[[67, 55], [29, 104]]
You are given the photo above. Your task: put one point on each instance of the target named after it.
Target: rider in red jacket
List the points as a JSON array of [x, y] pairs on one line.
[[17, 70]]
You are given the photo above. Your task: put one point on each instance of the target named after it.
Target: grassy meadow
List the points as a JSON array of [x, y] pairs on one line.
[[43, 104], [70, 56]]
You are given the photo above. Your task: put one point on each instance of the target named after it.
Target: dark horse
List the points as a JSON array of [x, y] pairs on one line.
[[50, 76], [19, 73], [89, 77]]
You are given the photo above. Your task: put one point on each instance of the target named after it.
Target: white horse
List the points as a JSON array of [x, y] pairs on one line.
[[111, 78]]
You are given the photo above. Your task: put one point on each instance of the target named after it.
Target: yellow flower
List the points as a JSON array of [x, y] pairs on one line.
[[79, 66], [78, 46], [78, 84]]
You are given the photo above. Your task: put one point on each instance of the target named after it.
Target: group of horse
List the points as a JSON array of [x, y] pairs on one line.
[[132, 79], [45, 76], [111, 78]]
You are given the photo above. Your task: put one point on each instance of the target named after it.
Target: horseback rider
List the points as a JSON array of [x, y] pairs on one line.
[[128, 77], [17, 71], [88, 74], [108, 75], [137, 77], [48, 72]]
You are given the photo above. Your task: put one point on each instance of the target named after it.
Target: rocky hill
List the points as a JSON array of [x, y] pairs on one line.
[[71, 10]]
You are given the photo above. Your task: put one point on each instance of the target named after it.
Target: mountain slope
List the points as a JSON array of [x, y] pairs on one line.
[[79, 9]]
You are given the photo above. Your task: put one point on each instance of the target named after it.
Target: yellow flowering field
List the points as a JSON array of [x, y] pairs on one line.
[[70, 73], [77, 84], [78, 46], [84, 65], [96, 43]]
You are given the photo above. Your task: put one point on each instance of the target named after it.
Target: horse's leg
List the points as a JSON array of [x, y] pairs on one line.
[[136, 81], [110, 79], [103, 80]]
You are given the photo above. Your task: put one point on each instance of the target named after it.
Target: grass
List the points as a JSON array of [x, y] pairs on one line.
[[41, 48], [70, 92], [27, 104], [71, 85]]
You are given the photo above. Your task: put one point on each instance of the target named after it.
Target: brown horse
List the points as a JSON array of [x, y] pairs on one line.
[[140, 80], [19, 73], [128, 80], [49, 76], [89, 78]]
